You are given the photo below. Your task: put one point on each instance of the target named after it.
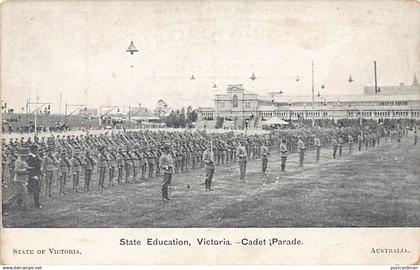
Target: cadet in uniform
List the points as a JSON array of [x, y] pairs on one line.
[[4, 164], [350, 140], [12, 158], [144, 164], [301, 148], [88, 166], [136, 165], [222, 152], [111, 171], [157, 154], [151, 161], [335, 147], [20, 181], [340, 145], [178, 158], [208, 160], [48, 167], [317, 144], [166, 167], [76, 165], [34, 162], [366, 138], [183, 158], [127, 165], [102, 164], [120, 164], [265, 153], [63, 170], [242, 157], [193, 157], [283, 151], [360, 141]]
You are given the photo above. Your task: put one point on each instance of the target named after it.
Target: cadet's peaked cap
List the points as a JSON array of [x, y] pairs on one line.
[[165, 146], [34, 147]]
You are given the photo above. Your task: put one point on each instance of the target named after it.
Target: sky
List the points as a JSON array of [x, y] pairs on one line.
[[77, 50]]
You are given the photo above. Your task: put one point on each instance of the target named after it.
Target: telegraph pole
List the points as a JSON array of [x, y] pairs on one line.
[[38, 105], [376, 82], [313, 93], [36, 111]]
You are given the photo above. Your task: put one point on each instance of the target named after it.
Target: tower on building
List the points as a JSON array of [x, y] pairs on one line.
[[415, 79]]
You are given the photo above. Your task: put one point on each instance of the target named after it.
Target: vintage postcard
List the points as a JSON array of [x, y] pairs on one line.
[[210, 132]]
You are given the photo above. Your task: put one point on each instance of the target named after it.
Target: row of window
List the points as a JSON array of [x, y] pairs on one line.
[[393, 103], [350, 114], [223, 104]]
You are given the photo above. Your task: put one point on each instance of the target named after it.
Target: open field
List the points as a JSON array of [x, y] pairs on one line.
[[378, 187]]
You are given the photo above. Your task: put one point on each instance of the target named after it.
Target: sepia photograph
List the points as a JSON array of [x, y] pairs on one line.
[[210, 114]]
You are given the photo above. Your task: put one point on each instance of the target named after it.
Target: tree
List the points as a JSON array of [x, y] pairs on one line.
[[161, 108], [170, 119], [191, 115], [182, 119]]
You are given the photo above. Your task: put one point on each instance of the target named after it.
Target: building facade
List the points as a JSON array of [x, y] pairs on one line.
[[248, 108]]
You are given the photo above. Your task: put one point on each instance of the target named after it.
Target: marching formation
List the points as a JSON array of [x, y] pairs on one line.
[[32, 166]]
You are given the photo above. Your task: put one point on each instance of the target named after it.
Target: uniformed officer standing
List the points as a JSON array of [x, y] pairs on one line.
[[373, 138], [102, 165], [166, 166], [360, 141], [415, 136], [283, 151], [20, 181], [265, 153], [301, 149], [242, 158], [350, 140], [340, 145], [208, 160], [34, 185], [366, 139], [317, 144]]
